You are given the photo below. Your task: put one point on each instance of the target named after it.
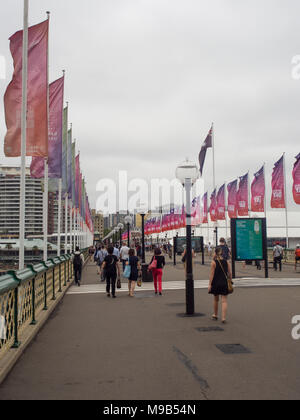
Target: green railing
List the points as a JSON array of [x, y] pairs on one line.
[[26, 293]]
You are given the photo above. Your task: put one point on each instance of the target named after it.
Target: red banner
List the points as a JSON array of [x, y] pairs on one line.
[[204, 210], [277, 200], [213, 207], [258, 191], [56, 97], [296, 178], [243, 197], [232, 199], [37, 118], [221, 203]]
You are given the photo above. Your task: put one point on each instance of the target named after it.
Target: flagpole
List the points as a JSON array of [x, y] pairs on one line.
[[66, 223], [249, 196], [226, 209], [265, 197], [59, 217], [71, 228], [286, 205], [213, 152], [46, 169], [23, 136]]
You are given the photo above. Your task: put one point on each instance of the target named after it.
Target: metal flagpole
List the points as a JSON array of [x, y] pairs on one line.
[[265, 197], [71, 228], [66, 223], [59, 217], [45, 209], [286, 206], [23, 137], [226, 209], [249, 196], [213, 150], [74, 230], [46, 183]]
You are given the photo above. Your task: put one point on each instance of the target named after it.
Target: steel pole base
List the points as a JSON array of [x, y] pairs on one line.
[[194, 315]]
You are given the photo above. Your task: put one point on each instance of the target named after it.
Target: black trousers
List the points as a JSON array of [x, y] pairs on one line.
[[77, 274], [111, 281], [277, 260]]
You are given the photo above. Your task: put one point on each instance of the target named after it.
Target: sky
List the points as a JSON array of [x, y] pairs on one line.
[[145, 79]]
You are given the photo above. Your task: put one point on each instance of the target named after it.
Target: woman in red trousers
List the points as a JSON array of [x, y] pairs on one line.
[[158, 271]]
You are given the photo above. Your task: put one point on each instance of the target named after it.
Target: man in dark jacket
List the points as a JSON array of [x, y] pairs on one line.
[[78, 261]]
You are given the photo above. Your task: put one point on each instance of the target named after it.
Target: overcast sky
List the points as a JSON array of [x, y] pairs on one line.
[[146, 78]]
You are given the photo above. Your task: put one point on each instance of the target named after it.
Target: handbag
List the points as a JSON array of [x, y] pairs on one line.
[[153, 265], [127, 271], [139, 283], [229, 282]]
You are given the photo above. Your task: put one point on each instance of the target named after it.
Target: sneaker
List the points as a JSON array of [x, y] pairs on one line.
[[108, 294], [160, 293], [79, 284], [114, 296]]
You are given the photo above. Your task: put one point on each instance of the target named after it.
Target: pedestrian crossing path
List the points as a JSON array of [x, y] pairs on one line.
[[180, 285]]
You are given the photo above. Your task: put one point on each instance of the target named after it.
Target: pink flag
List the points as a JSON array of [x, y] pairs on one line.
[[204, 210], [56, 97], [232, 199], [213, 207], [37, 118], [258, 192], [243, 197], [221, 203], [277, 200], [296, 178]]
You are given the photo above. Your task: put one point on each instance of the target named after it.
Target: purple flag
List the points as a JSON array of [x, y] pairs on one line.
[[206, 145], [56, 95]]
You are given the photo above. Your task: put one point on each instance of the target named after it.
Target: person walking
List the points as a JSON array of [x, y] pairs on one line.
[[111, 270], [225, 250], [220, 271], [78, 261], [158, 271], [209, 249], [116, 252], [278, 255], [101, 254], [297, 255], [135, 267], [124, 254]]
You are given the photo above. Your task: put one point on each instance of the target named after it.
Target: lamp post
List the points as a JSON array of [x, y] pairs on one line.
[[121, 227], [142, 213], [187, 174], [128, 222]]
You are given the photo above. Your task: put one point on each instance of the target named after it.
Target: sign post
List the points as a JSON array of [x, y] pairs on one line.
[[249, 241]]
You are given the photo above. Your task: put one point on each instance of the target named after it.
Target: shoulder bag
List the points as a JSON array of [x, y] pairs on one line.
[[229, 282]]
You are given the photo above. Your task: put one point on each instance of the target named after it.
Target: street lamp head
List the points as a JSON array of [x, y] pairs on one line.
[[187, 170], [128, 220], [120, 226]]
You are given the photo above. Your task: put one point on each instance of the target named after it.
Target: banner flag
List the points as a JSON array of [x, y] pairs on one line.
[[243, 197], [220, 212], [73, 172], [56, 97], [37, 92], [65, 152], [204, 209], [77, 180], [296, 178], [278, 193], [213, 206], [258, 191], [69, 164], [232, 199], [206, 145]]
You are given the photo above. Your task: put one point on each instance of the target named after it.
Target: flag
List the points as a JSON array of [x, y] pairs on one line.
[[77, 180], [73, 173], [220, 211], [243, 197], [296, 178], [37, 92], [206, 145], [204, 209], [65, 152], [278, 193], [56, 95], [232, 199], [258, 191], [69, 164], [213, 206]]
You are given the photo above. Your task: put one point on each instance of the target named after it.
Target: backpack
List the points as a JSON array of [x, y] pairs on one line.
[[225, 252], [77, 260], [298, 252]]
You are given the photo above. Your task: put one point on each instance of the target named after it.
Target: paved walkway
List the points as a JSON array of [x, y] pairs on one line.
[[95, 347]]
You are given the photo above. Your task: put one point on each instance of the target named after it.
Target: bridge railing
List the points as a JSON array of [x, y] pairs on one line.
[[24, 294]]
